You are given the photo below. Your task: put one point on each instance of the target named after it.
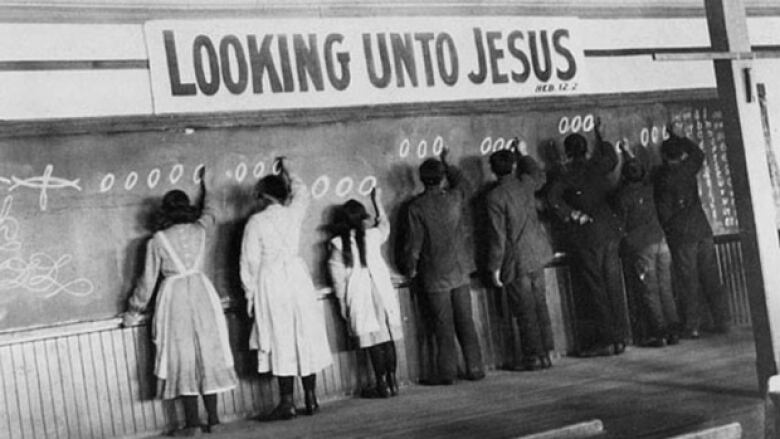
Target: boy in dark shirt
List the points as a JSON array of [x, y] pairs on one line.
[[689, 234], [519, 250], [579, 197], [436, 254], [645, 252]]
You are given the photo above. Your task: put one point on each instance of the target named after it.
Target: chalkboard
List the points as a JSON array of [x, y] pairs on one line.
[[75, 208]]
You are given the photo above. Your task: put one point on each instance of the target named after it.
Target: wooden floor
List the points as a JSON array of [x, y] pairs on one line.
[[645, 393]]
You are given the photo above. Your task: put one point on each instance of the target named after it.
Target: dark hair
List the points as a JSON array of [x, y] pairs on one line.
[[431, 172], [273, 185], [575, 146], [175, 209], [633, 171], [501, 162], [350, 216], [673, 148]]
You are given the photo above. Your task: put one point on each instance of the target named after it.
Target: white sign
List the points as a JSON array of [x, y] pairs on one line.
[[239, 65]]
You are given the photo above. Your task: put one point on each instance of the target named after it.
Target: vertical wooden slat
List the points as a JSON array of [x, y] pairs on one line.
[[145, 379], [105, 353], [86, 410], [100, 381], [89, 383], [23, 392], [125, 396], [5, 422], [51, 362], [11, 414], [133, 396], [63, 355], [47, 393]]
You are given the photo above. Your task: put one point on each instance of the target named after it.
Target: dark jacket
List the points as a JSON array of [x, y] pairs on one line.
[[586, 187], [435, 248], [635, 205], [676, 190], [518, 242]]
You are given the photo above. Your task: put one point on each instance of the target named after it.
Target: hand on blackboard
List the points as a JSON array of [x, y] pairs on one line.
[[445, 153], [514, 147], [280, 165], [202, 177], [671, 129], [597, 125]]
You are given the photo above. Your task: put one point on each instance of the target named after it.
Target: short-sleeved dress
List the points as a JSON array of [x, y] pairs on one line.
[[289, 326], [189, 330], [369, 303]]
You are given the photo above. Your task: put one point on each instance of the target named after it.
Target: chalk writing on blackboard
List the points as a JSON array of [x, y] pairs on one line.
[[576, 123], [321, 186], [43, 183], [39, 274], [405, 147]]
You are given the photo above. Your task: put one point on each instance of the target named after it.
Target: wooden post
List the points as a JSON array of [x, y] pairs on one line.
[[750, 176]]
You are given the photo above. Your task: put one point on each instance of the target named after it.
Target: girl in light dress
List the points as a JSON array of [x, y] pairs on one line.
[[369, 302], [189, 330], [289, 327]]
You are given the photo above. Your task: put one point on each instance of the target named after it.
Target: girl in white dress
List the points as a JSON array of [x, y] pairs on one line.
[[289, 326], [189, 330], [362, 283]]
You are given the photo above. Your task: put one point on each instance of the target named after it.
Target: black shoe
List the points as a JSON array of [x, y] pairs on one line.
[[475, 375], [283, 412], [392, 383], [598, 351], [437, 382], [654, 342], [312, 406], [531, 364]]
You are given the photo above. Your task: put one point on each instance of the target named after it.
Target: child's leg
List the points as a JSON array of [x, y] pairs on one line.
[[210, 401], [391, 364], [191, 417], [310, 396]]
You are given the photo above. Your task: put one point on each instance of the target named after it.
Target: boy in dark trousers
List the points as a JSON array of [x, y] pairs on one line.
[[646, 256], [580, 198], [519, 250], [437, 256], [689, 235]]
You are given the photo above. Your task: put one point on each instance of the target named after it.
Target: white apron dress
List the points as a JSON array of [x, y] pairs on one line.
[[189, 330], [367, 298], [289, 326]]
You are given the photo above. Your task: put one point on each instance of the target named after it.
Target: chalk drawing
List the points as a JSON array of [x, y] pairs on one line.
[[131, 180], [40, 274], [153, 178], [422, 149], [366, 185], [320, 186], [403, 151], [344, 186], [107, 182], [44, 183], [9, 228], [258, 170], [176, 172]]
